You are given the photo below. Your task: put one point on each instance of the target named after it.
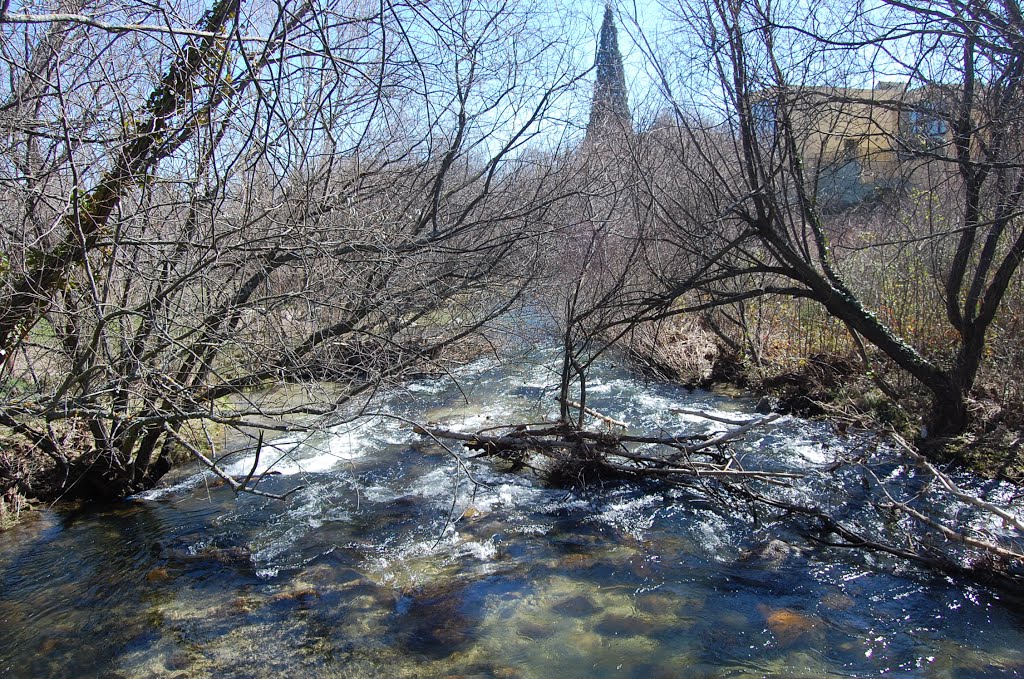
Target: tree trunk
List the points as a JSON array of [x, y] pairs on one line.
[[948, 417], [102, 477]]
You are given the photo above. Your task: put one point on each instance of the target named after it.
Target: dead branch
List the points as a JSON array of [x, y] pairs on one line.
[[998, 571], [236, 486], [593, 413], [957, 536], [707, 416], [735, 434], [1009, 520], [604, 451], [688, 459]]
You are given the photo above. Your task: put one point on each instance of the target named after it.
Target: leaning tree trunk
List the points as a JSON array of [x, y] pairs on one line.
[[146, 143]]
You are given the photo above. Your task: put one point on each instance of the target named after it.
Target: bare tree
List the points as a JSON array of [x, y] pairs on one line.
[[199, 208], [775, 102]]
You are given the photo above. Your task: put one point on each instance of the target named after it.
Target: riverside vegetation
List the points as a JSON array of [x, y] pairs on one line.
[[205, 205]]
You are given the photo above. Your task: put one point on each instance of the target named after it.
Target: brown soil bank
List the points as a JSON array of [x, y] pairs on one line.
[[840, 387], [20, 471]]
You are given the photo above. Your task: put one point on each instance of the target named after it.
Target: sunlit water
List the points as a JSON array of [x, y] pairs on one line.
[[395, 560]]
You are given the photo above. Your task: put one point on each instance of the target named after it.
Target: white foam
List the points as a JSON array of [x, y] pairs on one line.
[[477, 422], [632, 516], [346, 445], [810, 451], [540, 376], [431, 387], [652, 402], [392, 431], [507, 495], [434, 483], [400, 556], [182, 486], [712, 533], [484, 551], [285, 464], [379, 494]]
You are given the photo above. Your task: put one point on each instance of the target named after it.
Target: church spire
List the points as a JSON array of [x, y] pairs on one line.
[[609, 105]]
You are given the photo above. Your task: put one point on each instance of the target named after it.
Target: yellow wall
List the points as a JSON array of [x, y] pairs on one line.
[[834, 125]]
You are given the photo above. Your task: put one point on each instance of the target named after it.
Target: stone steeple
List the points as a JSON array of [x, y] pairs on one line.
[[609, 106]]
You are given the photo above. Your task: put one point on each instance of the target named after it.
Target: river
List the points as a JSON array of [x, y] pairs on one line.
[[396, 560]]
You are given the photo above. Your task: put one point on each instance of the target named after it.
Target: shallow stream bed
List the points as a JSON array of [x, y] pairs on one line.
[[395, 560]]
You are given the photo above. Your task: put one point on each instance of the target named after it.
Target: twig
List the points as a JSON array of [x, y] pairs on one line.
[[212, 466], [85, 20], [590, 411]]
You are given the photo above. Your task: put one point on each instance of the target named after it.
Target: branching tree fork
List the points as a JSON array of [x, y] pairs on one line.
[[324, 197], [738, 197]]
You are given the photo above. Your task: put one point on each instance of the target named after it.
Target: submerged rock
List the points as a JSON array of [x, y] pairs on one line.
[[772, 554], [436, 623], [242, 605], [303, 595], [232, 556], [837, 601], [614, 625], [786, 624], [655, 603], [533, 630], [158, 575], [576, 607], [663, 671], [577, 561], [641, 567]]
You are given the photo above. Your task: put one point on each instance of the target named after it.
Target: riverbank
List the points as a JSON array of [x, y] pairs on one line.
[[395, 559], [832, 386], [839, 387], [30, 478], [18, 469]]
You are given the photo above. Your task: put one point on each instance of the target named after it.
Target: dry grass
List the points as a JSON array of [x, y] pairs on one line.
[[807, 361], [679, 348]]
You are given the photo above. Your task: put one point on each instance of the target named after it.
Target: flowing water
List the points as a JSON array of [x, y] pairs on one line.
[[395, 560]]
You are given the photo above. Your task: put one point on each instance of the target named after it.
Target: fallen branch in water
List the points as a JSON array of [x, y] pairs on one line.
[[593, 413], [863, 521], [1007, 519], [1002, 568], [962, 547], [983, 540], [235, 485], [579, 453]]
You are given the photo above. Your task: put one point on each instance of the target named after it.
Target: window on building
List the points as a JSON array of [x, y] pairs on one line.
[[765, 118], [851, 150], [926, 125]]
